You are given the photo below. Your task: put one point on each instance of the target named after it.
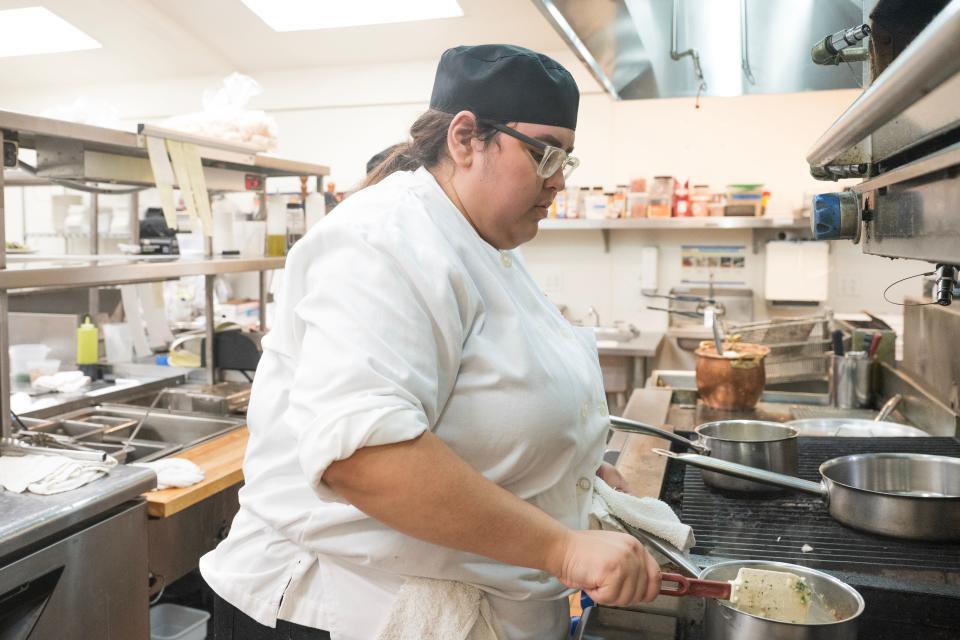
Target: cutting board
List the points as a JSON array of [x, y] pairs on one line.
[[222, 462]]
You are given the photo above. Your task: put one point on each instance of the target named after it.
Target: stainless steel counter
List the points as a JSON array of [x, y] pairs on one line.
[[26, 518], [644, 346]]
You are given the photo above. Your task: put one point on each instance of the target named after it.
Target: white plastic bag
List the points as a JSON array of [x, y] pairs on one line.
[[225, 115]]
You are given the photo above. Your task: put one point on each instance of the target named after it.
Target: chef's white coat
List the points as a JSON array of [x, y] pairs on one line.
[[396, 317]]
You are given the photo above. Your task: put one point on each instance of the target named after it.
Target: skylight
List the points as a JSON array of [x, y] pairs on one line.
[[34, 30], [304, 15]]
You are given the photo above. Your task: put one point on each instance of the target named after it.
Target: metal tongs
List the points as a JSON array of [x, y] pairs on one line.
[[16, 446], [24, 442]]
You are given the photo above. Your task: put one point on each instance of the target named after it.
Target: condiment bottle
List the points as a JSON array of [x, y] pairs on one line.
[[87, 342], [681, 198], [276, 227], [296, 223]]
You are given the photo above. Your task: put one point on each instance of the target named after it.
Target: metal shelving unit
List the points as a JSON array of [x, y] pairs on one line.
[[674, 224], [686, 224], [70, 153]]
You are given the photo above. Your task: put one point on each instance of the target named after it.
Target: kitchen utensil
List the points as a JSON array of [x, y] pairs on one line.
[[853, 428], [717, 338], [778, 595], [765, 445], [849, 384], [874, 343], [833, 615], [902, 495], [734, 382], [837, 337], [836, 606], [888, 407]]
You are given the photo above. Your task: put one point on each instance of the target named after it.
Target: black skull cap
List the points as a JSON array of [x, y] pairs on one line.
[[505, 83]]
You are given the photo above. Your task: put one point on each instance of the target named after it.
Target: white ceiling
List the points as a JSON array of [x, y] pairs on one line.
[[145, 40]]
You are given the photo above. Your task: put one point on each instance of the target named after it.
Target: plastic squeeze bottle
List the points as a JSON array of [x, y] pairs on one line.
[[87, 339]]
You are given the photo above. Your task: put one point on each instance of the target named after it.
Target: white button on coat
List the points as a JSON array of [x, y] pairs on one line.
[[395, 317]]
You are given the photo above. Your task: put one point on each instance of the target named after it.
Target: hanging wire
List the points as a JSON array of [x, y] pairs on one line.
[[853, 72], [901, 304]]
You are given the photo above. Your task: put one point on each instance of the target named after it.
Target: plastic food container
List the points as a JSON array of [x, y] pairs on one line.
[[45, 367], [176, 622], [21, 355], [636, 205]]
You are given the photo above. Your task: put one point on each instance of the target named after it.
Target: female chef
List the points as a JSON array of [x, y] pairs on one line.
[[421, 409]]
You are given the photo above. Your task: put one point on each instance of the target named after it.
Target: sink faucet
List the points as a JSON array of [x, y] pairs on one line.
[[596, 316]]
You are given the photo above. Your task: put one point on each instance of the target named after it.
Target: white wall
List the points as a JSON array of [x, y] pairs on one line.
[[342, 116]]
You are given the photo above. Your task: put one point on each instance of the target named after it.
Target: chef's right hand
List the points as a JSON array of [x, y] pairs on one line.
[[613, 568]]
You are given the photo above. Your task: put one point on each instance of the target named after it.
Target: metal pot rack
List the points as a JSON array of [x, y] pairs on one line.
[[77, 154]]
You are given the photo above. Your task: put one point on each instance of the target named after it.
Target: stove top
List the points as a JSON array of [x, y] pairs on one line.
[[904, 582]]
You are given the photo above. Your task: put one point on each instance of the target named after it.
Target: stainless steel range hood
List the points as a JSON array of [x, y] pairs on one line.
[[648, 48]]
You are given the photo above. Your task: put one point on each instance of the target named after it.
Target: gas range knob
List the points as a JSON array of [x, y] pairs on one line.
[[836, 216]]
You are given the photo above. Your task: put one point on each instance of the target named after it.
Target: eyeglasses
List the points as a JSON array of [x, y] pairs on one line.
[[551, 159]]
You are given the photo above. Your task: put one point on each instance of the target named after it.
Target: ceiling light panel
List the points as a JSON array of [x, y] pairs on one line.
[[36, 30], [305, 15]]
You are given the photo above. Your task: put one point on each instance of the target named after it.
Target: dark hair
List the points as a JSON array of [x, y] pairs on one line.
[[426, 148], [378, 159]]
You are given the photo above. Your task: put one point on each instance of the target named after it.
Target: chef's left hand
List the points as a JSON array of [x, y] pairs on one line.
[[609, 474]]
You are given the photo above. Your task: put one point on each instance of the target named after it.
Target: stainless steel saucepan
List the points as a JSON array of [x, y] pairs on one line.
[[854, 428], [901, 495], [833, 616], [755, 443]]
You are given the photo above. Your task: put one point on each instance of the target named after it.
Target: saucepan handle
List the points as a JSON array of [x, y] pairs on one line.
[[632, 426], [693, 587], [671, 552], [745, 472]]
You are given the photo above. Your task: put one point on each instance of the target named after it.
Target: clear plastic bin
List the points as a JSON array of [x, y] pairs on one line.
[[176, 622]]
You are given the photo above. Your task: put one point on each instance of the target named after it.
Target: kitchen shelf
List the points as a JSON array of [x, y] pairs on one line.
[[72, 150], [90, 272], [674, 224], [685, 224], [74, 155]]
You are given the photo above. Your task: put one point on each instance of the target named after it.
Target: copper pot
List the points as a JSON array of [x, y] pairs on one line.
[[731, 380]]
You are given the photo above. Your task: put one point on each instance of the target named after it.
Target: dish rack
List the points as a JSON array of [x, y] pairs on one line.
[[799, 347]]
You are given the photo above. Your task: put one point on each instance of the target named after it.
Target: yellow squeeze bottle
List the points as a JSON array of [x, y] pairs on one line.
[[87, 339]]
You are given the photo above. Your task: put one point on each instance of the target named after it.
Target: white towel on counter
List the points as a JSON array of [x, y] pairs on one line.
[[173, 472], [62, 382], [648, 514], [428, 609], [46, 474]]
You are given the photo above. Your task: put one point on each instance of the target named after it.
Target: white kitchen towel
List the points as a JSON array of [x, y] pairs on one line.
[[47, 475], [62, 382], [174, 472], [428, 609], [648, 514]]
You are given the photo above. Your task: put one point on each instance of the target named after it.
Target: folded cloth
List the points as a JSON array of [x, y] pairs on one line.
[[648, 514], [45, 474], [62, 382], [428, 609], [174, 472]]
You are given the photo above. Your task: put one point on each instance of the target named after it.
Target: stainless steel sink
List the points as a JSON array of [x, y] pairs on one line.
[[161, 425], [623, 333], [220, 399], [134, 451]]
